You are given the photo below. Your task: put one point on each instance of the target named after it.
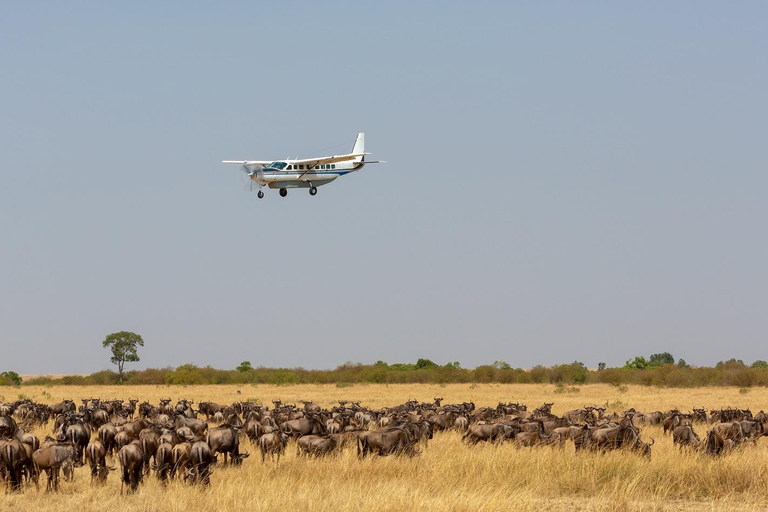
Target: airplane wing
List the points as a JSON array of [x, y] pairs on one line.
[[248, 162], [328, 159]]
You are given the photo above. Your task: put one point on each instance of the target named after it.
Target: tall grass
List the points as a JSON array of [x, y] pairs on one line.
[[447, 475]]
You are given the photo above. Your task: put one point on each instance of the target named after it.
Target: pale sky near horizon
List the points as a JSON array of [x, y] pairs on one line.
[[564, 181]]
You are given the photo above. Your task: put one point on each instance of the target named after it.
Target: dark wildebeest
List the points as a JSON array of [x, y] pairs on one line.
[[51, 457], [491, 432], [198, 426], [315, 445], [685, 436], [121, 439], [273, 444], [107, 433], [8, 427], [201, 461], [224, 439], [75, 431], [131, 458], [388, 441], [730, 431], [163, 461], [753, 430], [150, 440], [180, 458], [303, 426], [717, 444], [14, 458], [96, 455], [530, 439]]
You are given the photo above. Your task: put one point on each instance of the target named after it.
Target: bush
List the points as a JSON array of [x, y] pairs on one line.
[[10, 379]]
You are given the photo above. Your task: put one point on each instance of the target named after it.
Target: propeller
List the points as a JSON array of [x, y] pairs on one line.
[[245, 175]]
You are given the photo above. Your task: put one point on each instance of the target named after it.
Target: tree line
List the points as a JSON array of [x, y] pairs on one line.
[[654, 372]]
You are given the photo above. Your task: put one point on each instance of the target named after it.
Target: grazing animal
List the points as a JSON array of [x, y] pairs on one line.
[[51, 457], [96, 455], [273, 444], [201, 461], [131, 458]]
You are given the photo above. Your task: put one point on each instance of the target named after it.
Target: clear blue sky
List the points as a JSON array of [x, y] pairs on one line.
[[565, 181]]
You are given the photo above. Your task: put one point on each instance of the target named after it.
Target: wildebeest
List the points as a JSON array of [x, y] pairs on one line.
[[388, 441], [96, 454], [201, 461], [106, 434], [163, 461], [303, 426], [315, 445], [75, 431], [225, 439], [131, 458], [14, 458], [51, 457], [685, 436], [180, 458], [492, 432], [273, 444]]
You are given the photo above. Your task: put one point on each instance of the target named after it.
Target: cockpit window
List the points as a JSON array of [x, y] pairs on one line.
[[278, 165]]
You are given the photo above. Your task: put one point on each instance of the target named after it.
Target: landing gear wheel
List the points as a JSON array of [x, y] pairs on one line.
[[283, 192], [312, 191], [260, 195]]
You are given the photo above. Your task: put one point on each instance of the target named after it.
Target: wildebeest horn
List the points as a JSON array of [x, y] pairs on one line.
[[653, 441]]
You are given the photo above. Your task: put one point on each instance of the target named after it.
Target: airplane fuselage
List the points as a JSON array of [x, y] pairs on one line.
[[286, 174]]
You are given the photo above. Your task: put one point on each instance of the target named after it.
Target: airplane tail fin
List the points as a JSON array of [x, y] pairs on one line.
[[359, 146]]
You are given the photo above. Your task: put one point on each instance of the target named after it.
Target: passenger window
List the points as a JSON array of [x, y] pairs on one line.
[[301, 167], [333, 166], [289, 168]]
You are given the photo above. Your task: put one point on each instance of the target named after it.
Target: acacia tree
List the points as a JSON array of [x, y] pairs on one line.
[[123, 345]]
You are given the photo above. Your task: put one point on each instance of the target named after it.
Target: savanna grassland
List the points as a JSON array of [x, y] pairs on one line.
[[447, 475]]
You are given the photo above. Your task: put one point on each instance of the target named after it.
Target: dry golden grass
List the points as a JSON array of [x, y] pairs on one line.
[[447, 475]]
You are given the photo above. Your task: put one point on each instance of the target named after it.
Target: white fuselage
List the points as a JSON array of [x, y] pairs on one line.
[[286, 174]]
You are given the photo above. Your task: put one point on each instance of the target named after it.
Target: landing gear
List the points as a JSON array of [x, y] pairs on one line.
[[283, 192], [312, 191], [260, 194]]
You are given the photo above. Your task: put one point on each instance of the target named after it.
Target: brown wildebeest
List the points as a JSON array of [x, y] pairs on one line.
[[225, 439], [492, 432], [131, 458], [389, 441], [96, 454], [75, 431], [272, 443], [671, 422], [315, 445], [14, 458], [531, 439], [197, 426], [685, 436], [150, 440], [654, 418], [180, 458], [717, 444], [752, 429], [107, 433], [730, 431], [121, 439], [201, 461], [303, 426], [51, 457], [163, 461]]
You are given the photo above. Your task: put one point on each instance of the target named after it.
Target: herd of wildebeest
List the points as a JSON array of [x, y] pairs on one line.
[[176, 443]]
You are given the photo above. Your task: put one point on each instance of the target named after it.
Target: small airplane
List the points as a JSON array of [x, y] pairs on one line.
[[305, 173]]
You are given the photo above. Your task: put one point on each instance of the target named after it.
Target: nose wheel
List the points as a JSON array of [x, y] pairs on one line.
[[260, 194], [312, 191], [283, 192]]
